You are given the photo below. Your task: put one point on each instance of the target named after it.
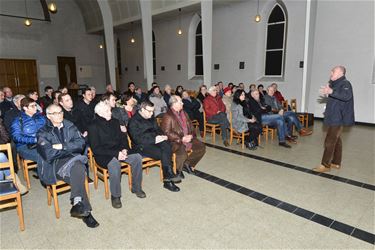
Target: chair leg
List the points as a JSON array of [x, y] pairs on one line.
[[243, 140], [259, 139], [130, 178], [106, 185], [272, 134], [20, 212], [87, 187], [49, 195], [95, 177], [213, 131], [231, 137], [161, 172], [55, 201], [26, 173], [174, 163], [204, 133]]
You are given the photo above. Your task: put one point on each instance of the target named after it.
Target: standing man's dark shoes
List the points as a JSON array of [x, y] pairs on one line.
[[78, 210], [116, 202], [171, 186], [90, 221]]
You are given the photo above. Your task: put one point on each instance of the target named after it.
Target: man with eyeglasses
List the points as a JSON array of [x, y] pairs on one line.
[[25, 127], [60, 145], [150, 141]]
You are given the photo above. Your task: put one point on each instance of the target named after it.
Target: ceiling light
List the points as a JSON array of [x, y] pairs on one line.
[[52, 7]]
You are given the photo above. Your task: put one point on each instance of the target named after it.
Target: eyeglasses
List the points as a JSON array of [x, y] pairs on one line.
[[150, 111], [56, 113]]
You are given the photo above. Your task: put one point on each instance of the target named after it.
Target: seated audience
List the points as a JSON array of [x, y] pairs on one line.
[[231, 85], [159, 104], [46, 100], [202, 93], [131, 89], [8, 94], [227, 100], [220, 86], [118, 113], [241, 86], [167, 93], [277, 93], [95, 98], [110, 89], [192, 108], [177, 126], [34, 95], [110, 146], [262, 92], [154, 84], [5, 173], [85, 109], [55, 97], [25, 127], [63, 89], [289, 116], [70, 113], [179, 90], [263, 114], [139, 95], [215, 112], [241, 123], [11, 114], [149, 139], [60, 146], [5, 105], [252, 87]]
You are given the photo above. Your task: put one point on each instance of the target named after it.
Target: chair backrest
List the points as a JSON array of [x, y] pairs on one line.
[[293, 105], [129, 142], [7, 150], [284, 104]]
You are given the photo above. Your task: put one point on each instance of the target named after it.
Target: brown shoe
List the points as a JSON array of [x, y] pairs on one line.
[[321, 169], [291, 139], [226, 143], [305, 132], [335, 166]]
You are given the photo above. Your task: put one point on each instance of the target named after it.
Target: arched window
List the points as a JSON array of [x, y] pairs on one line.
[[153, 53], [119, 57], [198, 50], [276, 40]]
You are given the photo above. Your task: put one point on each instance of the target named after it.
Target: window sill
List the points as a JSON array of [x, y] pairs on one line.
[[271, 79]]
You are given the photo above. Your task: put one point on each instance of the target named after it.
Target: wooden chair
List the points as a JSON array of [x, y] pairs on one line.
[[91, 159], [148, 162], [235, 134], [303, 118], [159, 120], [210, 128], [26, 165], [9, 193], [266, 130], [60, 187], [102, 173], [195, 125], [284, 104]]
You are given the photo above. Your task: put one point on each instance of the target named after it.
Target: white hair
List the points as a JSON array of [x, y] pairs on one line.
[[17, 98], [101, 108], [212, 88], [48, 110]]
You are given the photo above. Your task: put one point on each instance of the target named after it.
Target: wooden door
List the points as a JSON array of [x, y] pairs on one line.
[[8, 76], [27, 75], [67, 70], [19, 74]]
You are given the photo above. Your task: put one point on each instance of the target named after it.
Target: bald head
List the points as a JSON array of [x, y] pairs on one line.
[[337, 72]]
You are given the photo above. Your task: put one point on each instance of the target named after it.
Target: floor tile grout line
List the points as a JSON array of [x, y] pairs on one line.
[[292, 212], [295, 167]]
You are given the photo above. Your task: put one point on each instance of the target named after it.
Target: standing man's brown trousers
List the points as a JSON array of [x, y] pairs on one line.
[[332, 146]]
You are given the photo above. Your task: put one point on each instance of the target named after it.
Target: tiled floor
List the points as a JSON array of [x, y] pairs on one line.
[[216, 209]]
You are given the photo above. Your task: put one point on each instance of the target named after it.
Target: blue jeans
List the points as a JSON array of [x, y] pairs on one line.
[[28, 154], [276, 120], [291, 119], [222, 120], [3, 172]]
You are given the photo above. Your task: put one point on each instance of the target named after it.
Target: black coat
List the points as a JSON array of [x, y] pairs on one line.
[[10, 115], [106, 140], [143, 131], [191, 107], [340, 105], [71, 116], [4, 107], [49, 157], [86, 115], [255, 109]]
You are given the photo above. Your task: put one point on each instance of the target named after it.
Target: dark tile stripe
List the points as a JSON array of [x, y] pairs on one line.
[[297, 168], [306, 214]]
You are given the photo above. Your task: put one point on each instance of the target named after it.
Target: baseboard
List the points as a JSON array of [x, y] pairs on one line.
[[356, 123]]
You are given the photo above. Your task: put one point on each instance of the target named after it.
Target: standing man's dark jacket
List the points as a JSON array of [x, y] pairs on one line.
[[106, 140], [340, 105], [143, 131], [71, 116], [50, 158]]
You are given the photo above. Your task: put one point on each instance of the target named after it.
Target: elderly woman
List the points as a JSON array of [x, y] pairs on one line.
[[192, 108], [110, 146], [227, 100], [157, 99], [241, 123], [167, 93], [215, 112]]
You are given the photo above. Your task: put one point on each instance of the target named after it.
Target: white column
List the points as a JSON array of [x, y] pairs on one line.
[[147, 40], [109, 41], [206, 9], [306, 56]]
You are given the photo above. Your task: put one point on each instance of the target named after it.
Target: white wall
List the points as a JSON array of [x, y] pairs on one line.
[[344, 35], [64, 36]]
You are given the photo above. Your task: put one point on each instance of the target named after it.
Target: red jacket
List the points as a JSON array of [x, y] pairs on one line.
[[279, 96], [212, 105]]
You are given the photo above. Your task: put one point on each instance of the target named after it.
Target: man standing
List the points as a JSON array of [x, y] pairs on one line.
[[59, 146], [177, 126], [339, 112], [85, 109]]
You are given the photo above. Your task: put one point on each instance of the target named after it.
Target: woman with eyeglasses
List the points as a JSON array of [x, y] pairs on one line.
[[25, 127]]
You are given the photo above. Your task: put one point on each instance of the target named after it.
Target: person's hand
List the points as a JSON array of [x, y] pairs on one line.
[[57, 146], [253, 119], [123, 129], [84, 134], [160, 138], [218, 112], [281, 112], [121, 156], [326, 90], [125, 152], [187, 138]]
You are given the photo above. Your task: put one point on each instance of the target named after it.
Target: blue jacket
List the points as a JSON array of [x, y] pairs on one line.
[[24, 128], [340, 105], [49, 158]]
